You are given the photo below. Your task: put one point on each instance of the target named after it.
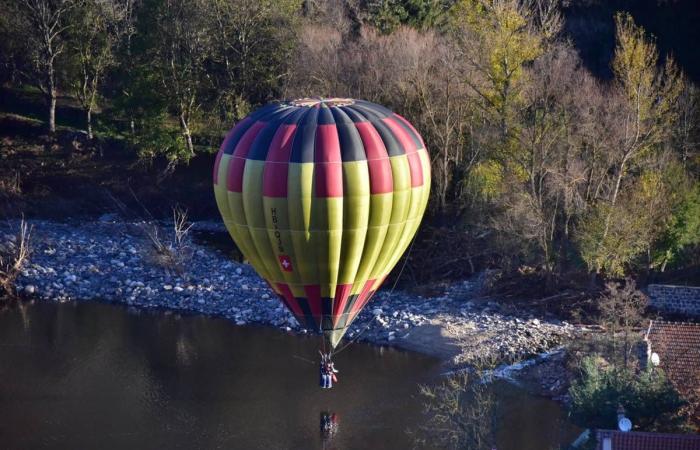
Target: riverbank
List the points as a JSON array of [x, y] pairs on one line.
[[112, 261]]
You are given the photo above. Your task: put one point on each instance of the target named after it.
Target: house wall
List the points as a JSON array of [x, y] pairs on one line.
[[675, 299]]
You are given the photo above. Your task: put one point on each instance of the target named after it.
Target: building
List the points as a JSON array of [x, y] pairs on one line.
[[635, 440], [675, 347]]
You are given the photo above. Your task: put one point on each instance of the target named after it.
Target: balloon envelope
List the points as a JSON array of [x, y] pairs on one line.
[[323, 196]]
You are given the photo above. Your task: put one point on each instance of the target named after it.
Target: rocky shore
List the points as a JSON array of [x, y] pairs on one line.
[[112, 261]]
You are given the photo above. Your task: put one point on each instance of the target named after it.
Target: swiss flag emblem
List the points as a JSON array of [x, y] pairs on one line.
[[286, 263]]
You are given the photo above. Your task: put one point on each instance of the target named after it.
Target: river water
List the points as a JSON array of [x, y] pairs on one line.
[[90, 375]]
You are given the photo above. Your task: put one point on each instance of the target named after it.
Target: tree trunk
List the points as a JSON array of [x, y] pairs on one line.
[[51, 82], [187, 134], [52, 111], [88, 114]]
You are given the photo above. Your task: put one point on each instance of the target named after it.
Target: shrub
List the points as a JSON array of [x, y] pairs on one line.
[[14, 256], [650, 401], [175, 254]]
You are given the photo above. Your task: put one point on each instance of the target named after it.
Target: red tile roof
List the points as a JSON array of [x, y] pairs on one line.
[[678, 347], [635, 440]]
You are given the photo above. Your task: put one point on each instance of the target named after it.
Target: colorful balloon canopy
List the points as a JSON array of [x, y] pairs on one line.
[[323, 196]]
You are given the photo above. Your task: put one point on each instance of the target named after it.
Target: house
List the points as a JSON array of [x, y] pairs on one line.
[[675, 347], [635, 440]]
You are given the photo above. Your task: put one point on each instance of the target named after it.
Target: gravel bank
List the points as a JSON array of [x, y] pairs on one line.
[[110, 261]]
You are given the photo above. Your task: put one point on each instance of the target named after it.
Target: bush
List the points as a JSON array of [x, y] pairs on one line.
[[14, 256], [650, 401]]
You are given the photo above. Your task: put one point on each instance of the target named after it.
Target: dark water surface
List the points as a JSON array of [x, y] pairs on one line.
[[94, 376]]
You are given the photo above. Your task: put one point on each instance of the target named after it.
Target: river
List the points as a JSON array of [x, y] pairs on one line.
[[92, 375]]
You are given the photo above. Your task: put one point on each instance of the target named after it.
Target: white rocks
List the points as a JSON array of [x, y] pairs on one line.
[[214, 285]]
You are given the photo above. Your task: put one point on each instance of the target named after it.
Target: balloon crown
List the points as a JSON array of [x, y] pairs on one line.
[[311, 102]]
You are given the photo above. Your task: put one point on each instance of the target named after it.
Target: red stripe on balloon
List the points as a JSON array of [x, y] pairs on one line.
[[233, 137], [381, 180], [313, 296], [402, 135], [328, 168], [342, 293], [234, 181], [408, 124], [290, 301], [362, 299], [411, 151], [416, 169], [276, 167], [216, 165]]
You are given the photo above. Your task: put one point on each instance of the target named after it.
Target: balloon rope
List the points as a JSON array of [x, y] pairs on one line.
[[391, 292]]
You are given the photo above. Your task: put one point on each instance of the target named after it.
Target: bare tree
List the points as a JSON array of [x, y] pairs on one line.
[[621, 309], [45, 26]]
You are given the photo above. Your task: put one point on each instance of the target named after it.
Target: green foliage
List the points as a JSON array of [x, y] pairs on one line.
[[609, 248], [650, 401], [388, 15], [485, 180], [683, 230], [504, 45], [159, 136]]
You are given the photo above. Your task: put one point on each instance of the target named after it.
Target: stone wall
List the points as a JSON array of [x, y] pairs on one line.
[[675, 299]]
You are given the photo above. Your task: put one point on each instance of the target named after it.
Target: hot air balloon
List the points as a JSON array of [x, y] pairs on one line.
[[322, 196]]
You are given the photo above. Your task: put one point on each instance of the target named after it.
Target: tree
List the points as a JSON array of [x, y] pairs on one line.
[[460, 412], [644, 116], [621, 309], [44, 24], [650, 401], [651, 93], [180, 44], [389, 15], [647, 114], [252, 42], [98, 26]]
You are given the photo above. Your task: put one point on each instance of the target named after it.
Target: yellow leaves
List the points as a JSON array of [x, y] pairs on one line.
[[501, 44], [634, 63], [485, 180], [650, 90], [649, 185]]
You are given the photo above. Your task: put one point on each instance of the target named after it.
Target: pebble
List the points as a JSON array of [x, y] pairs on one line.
[[117, 269]]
